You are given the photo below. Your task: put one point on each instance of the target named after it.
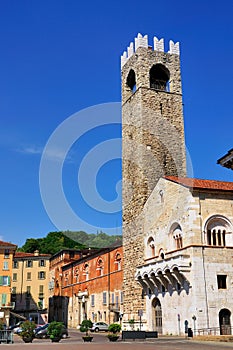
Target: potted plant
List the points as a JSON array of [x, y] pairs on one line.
[[55, 331], [132, 322], [114, 329], [27, 332], [85, 327]]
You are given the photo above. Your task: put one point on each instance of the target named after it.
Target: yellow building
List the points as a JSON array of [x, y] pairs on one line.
[[30, 276], [7, 251]]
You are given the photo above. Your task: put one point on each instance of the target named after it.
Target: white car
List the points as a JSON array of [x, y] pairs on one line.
[[99, 326]]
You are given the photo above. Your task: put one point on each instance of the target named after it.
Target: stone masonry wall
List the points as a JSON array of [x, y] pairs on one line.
[[176, 204], [153, 146]]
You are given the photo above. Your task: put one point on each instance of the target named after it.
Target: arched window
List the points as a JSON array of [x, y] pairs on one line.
[[161, 254], [131, 80], [76, 275], [86, 271], [150, 247], [118, 262], [66, 280], [217, 231], [177, 235], [159, 77], [100, 267]]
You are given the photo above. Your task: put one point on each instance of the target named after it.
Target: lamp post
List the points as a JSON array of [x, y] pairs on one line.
[[194, 324], [178, 318]]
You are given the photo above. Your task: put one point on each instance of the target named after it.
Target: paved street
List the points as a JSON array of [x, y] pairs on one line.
[[101, 342]]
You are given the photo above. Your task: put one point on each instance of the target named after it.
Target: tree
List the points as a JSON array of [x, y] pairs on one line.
[[56, 241]]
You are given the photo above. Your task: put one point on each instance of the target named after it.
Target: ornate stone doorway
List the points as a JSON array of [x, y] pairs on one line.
[[225, 322], [157, 316]]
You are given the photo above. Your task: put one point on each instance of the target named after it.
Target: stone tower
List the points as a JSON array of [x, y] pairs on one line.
[[152, 144]]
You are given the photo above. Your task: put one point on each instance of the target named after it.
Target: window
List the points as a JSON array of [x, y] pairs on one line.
[[29, 276], [217, 231], [161, 254], [5, 265], [92, 300], [66, 279], [150, 247], [4, 280], [113, 298], [14, 277], [15, 264], [6, 253], [42, 262], [41, 289], [222, 281], [28, 289], [118, 262], [177, 236], [100, 267], [76, 275], [13, 290], [104, 298], [41, 275], [29, 263], [117, 302], [86, 271]]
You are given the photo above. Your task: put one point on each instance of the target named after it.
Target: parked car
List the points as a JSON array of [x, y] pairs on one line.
[[42, 332], [99, 326]]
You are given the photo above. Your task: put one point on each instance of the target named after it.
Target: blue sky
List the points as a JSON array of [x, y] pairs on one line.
[[59, 57]]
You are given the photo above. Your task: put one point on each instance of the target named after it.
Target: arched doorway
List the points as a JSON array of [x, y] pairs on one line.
[[157, 316], [225, 322]]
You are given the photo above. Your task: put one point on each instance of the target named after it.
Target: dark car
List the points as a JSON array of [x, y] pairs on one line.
[[99, 326], [42, 332]]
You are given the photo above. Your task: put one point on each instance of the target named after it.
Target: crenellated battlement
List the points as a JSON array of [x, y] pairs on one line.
[[142, 41]]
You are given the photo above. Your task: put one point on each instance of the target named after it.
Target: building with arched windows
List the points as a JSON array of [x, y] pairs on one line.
[[89, 286], [187, 276], [177, 231]]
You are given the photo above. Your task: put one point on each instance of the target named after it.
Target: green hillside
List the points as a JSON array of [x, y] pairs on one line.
[[55, 241]]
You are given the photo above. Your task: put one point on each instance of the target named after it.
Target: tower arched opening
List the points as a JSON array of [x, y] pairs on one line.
[[159, 77], [131, 80]]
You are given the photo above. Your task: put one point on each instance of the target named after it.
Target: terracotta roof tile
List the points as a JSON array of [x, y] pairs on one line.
[[2, 243], [29, 255], [202, 184]]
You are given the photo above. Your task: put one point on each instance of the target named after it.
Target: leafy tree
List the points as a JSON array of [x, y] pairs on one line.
[[31, 245], [56, 241]]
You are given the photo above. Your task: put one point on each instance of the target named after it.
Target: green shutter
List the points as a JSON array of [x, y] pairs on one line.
[[4, 298], [1, 280], [8, 281]]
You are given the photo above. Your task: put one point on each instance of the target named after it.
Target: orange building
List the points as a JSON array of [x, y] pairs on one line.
[[58, 303], [93, 286], [7, 251]]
